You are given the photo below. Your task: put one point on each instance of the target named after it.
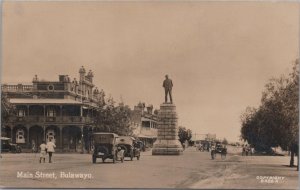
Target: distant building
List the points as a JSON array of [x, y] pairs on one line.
[[144, 121], [62, 110], [202, 137], [211, 137]]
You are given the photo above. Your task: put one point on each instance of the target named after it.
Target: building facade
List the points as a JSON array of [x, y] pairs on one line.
[[63, 111], [144, 121]]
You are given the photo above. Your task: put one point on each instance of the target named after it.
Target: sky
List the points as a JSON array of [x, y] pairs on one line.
[[218, 54]]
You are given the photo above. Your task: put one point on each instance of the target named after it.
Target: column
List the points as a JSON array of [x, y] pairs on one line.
[[27, 142], [44, 130], [27, 110], [82, 141], [60, 115], [60, 110], [61, 137], [44, 127], [11, 134], [44, 107]]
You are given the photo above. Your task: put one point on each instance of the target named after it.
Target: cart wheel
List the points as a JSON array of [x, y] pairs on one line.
[[213, 154], [223, 156]]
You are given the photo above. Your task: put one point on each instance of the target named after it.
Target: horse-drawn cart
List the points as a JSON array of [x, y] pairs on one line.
[[218, 149]]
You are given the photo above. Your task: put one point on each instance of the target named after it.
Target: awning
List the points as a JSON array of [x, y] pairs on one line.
[[43, 101]]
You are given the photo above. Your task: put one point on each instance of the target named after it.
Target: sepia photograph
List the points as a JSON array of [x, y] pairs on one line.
[[113, 94]]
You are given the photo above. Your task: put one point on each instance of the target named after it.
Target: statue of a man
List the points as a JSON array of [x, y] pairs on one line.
[[168, 89]]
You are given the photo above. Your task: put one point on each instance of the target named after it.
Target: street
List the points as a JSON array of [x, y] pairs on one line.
[[193, 169]]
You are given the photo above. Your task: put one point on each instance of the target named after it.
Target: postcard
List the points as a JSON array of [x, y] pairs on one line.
[[149, 94]]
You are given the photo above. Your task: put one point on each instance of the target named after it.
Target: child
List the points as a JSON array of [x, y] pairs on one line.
[[43, 152]]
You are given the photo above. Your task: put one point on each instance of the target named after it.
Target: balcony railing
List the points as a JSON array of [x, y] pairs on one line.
[[17, 88], [58, 119]]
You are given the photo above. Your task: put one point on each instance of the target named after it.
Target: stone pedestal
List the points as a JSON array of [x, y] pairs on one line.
[[167, 142]]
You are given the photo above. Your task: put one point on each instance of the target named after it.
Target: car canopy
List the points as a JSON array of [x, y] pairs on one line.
[[104, 138], [125, 140]]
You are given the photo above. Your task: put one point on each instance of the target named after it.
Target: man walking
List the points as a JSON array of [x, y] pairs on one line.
[[50, 149], [168, 89]]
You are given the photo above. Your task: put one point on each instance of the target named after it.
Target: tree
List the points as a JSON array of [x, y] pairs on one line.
[[275, 122], [122, 118], [184, 134], [7, 109], [225, 141], [114, 119]]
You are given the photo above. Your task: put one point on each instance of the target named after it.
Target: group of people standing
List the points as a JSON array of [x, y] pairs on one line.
[[46, 148]]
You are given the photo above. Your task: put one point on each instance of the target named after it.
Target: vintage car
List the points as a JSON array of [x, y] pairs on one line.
[[7, 146], [128, 144], [105, 146]]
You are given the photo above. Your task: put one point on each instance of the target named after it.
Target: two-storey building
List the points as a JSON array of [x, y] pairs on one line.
[[144, 121], [62, 110]]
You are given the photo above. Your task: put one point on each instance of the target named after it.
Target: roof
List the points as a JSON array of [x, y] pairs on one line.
[[42, 101]]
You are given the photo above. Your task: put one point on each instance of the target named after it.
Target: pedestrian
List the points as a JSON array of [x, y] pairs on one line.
[[120, 154], [213, 152], [43, 152], [33, 147], [50, 149]]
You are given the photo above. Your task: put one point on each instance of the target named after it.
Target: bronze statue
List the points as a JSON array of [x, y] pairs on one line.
[[168, 89]]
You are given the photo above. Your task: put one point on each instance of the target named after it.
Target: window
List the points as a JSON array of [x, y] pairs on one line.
[[50, 135], [20, 136], [51, 112], [146, 124], [21, 113]]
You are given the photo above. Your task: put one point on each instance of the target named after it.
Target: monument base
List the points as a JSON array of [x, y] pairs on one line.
[[167, 147], [167, 142]]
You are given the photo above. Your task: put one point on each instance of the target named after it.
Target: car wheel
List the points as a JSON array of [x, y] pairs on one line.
[[94, 159], [103, 160]]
